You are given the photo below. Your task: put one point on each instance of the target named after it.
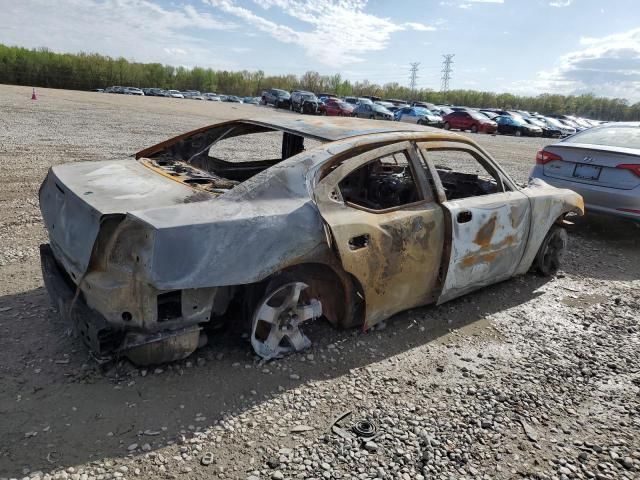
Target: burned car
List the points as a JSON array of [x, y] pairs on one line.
[[351, 220]]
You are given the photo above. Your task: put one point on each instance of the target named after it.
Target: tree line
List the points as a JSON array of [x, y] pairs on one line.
[[85, 71]]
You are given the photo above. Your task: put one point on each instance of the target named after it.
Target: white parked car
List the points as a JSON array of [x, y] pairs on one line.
[[132, 91], [212, 97], [175, 94], [565, 129]]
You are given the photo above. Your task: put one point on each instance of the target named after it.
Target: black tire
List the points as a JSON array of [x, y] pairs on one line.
[[518, 133], [372, 117], [276, 104], [422, 122], [474, 129], [291, 107], [447, 126], [551, 252]]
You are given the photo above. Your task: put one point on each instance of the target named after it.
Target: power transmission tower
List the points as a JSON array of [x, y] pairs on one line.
[[446, 71], [413, 76]]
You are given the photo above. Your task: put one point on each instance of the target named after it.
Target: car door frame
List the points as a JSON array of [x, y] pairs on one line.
[[397, 264], [489, 246]]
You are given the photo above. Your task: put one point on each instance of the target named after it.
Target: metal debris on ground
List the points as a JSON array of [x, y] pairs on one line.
[[207, 459], [364, 430]]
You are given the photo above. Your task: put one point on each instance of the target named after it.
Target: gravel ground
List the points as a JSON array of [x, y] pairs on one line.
[[530, 378]]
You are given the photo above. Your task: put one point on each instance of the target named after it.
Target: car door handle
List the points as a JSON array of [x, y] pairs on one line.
[[361, 241], [464, 216]]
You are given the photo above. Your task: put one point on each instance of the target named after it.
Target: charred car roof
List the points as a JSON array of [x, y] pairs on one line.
[[318, 128]]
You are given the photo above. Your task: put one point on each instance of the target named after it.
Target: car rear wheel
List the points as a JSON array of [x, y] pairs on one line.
[[277, 319], [518, 133], [372, 117], [551, 252], [474, 129], [447, 126]]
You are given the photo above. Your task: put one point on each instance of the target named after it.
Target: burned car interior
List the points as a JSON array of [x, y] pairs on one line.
[[205, 161], [462, 174], [381, 184]]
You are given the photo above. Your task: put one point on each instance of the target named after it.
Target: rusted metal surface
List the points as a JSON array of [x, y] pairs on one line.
[[397, 266], [548, 206], [487, 248], [151, 251]]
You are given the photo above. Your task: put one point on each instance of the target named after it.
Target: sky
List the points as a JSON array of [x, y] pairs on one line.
[[518, 46]]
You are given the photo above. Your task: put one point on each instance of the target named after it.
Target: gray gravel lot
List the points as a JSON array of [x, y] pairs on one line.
[[530, 378]]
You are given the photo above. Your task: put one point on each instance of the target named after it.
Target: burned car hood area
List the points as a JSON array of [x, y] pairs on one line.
[[346, 219]]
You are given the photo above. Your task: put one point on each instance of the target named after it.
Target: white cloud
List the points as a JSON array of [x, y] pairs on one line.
[[608, 66], [560, 3], [135, 29], [340, 30]]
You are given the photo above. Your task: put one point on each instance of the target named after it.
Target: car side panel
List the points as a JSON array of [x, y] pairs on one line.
[[548, 205], [398, 264], [488, 248]]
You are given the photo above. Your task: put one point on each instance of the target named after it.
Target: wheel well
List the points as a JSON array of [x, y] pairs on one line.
[[336, 291]]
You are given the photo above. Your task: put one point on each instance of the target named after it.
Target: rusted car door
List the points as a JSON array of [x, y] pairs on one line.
[[394, 253], [488, 231]]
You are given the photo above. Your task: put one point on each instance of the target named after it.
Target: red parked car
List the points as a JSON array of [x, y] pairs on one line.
[[469, 120], [335, 107]]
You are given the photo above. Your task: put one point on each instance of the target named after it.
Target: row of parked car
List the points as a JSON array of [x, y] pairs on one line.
[[488, 120], [190, 94]]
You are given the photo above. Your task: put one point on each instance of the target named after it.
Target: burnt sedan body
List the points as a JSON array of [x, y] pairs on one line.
[[353, 221]]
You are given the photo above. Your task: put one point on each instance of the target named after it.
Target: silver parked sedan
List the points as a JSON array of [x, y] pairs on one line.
[[602, 164]]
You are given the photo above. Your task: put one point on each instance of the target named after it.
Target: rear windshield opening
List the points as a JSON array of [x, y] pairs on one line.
[[219, 158], [250, 147]]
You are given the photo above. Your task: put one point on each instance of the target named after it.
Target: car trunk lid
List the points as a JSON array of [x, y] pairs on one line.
[[75, 198], [592, 164]]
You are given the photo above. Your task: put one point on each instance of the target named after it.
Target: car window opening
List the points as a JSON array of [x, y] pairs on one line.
[[216, 161], [381, 184], [462, 175]]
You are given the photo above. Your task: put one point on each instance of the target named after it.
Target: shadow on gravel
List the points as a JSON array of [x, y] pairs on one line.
[[59, 409], [604, 248]]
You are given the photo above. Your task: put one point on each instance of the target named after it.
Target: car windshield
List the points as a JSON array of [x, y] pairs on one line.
[[626, 136], [309, 96], [281, 93], [518, 120], [553, 122], [380, 108], [422, 111], [535, 122], [478, 116]]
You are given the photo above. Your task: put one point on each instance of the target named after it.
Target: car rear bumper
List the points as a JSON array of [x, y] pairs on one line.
[[604, 200], [104, 339], [96, 333]]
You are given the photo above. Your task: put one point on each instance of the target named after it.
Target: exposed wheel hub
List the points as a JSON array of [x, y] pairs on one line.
[[275, 330]]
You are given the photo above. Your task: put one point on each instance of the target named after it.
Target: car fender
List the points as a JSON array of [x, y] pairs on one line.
[[548, 206]]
